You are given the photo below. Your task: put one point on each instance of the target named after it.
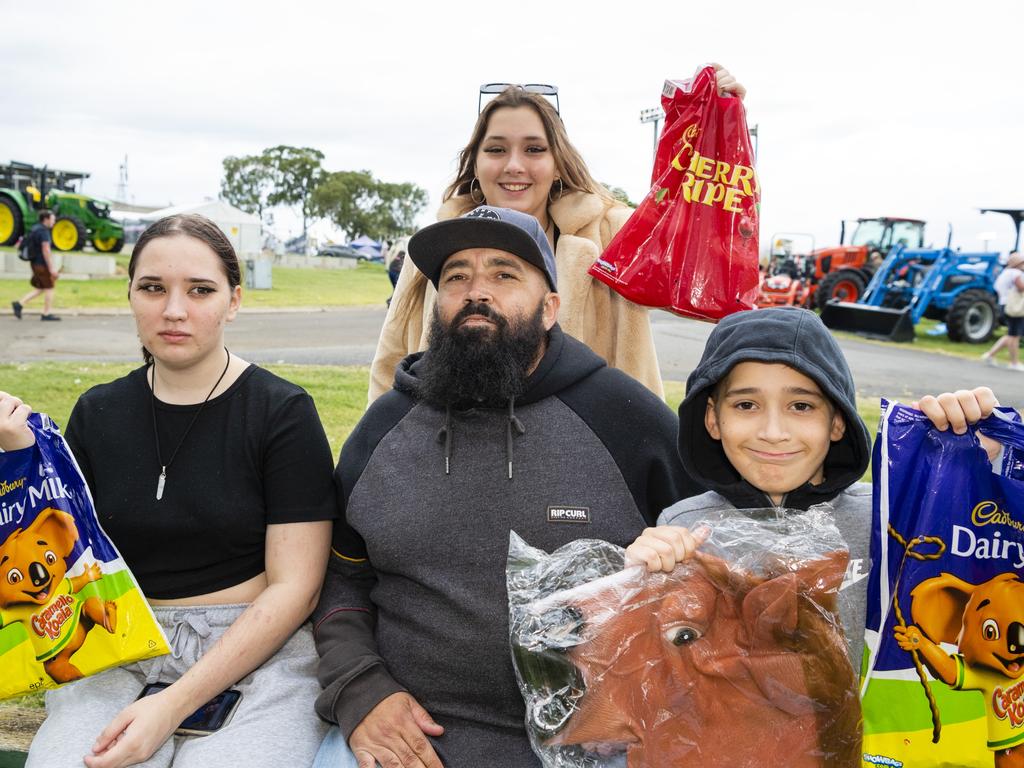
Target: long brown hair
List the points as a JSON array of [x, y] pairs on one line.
[[190, 225], [572, 170]]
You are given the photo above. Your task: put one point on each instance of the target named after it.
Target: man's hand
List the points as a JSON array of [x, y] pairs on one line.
[[392, 734], [139, 730], [14, 431], [958, 410], [661, 548]]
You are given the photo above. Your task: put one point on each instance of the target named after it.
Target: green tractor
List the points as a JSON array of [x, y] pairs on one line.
[[24, 189]]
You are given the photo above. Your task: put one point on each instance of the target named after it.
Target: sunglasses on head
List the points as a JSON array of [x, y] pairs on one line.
[[541, 89]]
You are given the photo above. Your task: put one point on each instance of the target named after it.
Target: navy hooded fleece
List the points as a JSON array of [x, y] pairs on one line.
[[797, 338]]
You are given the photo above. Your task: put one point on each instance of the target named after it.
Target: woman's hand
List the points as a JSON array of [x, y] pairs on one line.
[[139, 730], [662, 548], [958, 410], [727, 83], [14, 431]]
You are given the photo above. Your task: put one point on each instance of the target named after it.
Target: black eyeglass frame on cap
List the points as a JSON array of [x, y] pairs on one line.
[[541, 89]]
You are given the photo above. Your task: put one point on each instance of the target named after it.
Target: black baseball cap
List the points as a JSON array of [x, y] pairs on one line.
[[484, 227]]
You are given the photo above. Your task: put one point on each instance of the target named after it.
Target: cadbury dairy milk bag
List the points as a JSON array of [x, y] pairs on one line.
[[945, 624], [69, 606]]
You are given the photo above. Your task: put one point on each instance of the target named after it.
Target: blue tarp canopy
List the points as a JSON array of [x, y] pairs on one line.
[[370, 247]]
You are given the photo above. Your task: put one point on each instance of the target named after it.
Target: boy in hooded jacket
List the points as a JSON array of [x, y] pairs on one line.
[[770, 423]]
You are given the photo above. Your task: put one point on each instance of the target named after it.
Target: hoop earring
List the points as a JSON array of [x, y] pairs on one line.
[[482, 199], [561, 191]]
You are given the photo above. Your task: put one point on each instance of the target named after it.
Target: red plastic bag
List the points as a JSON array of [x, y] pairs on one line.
[[691, 247]]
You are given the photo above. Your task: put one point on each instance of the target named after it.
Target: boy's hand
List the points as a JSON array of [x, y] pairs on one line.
[[661, 548], [14, 431], [958, 410]]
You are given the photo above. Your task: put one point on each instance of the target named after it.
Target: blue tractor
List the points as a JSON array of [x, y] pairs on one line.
[[913, 283], [957, 288]]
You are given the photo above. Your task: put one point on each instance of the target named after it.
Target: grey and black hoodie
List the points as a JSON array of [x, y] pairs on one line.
[[415, 593], [797, 338]]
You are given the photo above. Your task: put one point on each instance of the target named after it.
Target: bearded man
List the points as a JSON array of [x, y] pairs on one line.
[[504, 423]]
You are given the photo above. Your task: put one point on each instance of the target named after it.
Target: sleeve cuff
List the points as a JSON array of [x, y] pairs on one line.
[[355, 701]]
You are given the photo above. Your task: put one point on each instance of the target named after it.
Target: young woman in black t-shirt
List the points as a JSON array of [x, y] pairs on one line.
[[213, 478]]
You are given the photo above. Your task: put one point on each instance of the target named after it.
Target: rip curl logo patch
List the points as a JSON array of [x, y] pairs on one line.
[[483, 213], [563, 514]]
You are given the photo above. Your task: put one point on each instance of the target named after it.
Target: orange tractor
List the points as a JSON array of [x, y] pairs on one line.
[[841, 272]]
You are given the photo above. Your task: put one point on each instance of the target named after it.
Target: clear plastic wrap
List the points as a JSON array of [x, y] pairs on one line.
[[736, 658]]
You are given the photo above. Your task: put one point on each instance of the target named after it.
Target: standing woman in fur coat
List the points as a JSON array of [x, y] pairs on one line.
[[519, 156]]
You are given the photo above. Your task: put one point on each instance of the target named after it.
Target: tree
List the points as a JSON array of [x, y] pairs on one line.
[[247, 183], [399, 206], [620, 194], [296, 172], [359, 204]]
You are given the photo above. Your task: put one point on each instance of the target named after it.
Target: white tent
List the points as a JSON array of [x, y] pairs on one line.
[[244, 230]]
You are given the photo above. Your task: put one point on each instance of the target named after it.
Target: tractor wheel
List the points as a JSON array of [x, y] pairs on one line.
[[68, 234], [108, 244], [973, 317], [10, 221], [845, 285]]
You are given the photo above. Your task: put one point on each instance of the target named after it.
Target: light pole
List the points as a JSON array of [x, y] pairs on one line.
[[655, 116]]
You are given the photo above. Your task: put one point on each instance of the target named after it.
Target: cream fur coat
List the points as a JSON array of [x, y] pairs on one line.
[[616, 329]]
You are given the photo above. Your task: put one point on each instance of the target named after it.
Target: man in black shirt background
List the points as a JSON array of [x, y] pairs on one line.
[[44, 276]]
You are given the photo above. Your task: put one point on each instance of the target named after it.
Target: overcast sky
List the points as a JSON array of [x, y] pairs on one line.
[[864, 109]]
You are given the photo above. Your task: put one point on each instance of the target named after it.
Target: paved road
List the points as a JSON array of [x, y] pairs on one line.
[[348, 337]]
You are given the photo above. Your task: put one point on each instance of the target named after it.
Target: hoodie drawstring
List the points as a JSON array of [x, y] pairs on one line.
[[446, 433], [513, 428], [513, 424]]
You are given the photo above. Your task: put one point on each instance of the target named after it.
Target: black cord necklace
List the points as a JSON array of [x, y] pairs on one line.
[[161, 481]]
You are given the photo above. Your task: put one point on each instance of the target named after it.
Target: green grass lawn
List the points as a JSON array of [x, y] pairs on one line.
[[366, 284], [53, 387], [939, 344]]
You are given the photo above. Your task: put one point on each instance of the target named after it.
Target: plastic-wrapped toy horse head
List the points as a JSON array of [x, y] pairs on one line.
[[709, 665]]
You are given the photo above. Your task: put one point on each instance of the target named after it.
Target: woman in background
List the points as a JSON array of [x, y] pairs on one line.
[[519, 156]]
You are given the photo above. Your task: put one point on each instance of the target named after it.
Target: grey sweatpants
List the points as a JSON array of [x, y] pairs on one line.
[[273, 725]]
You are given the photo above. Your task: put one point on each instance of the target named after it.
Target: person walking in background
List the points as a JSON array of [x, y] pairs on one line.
[[44, 275], [1009, 283]]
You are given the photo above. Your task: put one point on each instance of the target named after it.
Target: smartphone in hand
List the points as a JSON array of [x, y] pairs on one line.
[[210, 717]]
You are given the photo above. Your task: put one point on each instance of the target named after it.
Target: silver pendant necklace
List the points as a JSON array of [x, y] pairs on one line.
[[162, 480]]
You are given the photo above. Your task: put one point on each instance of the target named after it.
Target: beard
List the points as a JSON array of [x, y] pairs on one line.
[[486, 366]]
